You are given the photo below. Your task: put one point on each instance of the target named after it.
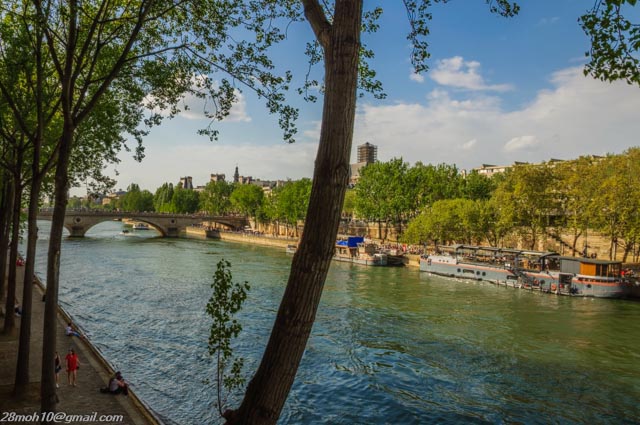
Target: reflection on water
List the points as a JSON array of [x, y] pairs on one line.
[[390, 345]]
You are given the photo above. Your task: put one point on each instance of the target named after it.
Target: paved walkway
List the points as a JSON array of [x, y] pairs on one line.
[[84, 399]]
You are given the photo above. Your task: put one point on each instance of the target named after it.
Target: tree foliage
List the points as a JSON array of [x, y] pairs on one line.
[[162, 198], [247, 199], [215, 198], [136, 200], [184, 201], [225, 302], [615, 42]]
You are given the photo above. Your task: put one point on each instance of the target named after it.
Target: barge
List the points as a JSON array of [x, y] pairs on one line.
[[544, 271]]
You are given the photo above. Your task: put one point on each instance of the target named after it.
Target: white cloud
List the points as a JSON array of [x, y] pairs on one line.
[[196, 108], [418, 78], [193, 107], [548, 21], [266, 162], [521, 143], [577, 116], [470, 144], [456, 72]]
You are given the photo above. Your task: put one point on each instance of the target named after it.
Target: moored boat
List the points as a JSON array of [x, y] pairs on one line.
[[544, 271], [140, 226], [355, 250]]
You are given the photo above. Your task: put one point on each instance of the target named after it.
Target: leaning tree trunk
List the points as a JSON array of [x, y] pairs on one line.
[[269, 388]]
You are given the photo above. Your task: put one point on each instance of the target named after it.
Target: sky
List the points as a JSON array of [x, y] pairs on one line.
[[498, 91]]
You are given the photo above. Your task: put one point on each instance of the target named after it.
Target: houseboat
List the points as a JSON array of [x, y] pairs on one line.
[[544, 271], [355, 250]]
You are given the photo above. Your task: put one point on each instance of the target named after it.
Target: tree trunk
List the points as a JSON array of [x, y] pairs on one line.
[[9, 319], [5, 225], [22, 369], [576, 235], [627, 249], [48, 396], [269, 388]]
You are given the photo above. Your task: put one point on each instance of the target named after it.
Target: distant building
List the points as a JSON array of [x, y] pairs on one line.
[[113, 196], [187, 182], [218, 177], [245, 179], [237, 178], [367, 153], [489, 169], [267, 186], [354, 173]]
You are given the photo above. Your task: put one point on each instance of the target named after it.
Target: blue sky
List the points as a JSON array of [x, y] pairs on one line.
[[498, 91]]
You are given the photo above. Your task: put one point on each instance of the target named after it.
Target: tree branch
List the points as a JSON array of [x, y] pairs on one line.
[[318, 20]]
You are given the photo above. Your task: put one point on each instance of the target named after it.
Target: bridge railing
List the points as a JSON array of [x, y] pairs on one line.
[[89, 211]]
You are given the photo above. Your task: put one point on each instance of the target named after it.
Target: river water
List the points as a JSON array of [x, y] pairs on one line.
[[389, 346]]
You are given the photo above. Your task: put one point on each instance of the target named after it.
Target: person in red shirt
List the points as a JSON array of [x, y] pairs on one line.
[[73, 363]]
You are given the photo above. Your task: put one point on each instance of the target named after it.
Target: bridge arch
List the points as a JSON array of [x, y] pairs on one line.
[[78, 222]]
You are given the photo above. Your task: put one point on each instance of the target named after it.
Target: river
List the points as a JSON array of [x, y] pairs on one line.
[[389, 346]]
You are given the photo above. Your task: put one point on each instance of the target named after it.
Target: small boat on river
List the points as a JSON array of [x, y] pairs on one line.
[[140, 226], [355, 250], [544, 271]]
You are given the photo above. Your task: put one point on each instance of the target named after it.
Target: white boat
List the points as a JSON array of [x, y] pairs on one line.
[[140, 226]]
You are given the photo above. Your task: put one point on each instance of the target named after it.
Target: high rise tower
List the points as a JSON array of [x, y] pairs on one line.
[[367, 153], [236, 176]]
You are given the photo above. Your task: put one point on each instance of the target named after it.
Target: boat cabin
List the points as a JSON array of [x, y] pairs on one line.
[[349, 247], [590, 267]]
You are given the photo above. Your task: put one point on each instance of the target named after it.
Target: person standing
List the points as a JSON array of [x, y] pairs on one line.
[[73, 363], [58, 368]]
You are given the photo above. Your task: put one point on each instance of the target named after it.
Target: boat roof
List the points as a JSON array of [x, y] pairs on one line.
[[459, 247], [589, 260], [540, 253]]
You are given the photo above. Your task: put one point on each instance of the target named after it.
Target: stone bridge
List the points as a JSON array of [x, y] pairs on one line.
[[77, 222]]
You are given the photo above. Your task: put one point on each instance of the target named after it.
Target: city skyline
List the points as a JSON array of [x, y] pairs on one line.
[[498, 91]]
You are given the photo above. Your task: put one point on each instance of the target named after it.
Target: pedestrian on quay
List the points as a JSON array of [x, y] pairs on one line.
[[73, 364], [58, 367], [117, 385], [69, 331]]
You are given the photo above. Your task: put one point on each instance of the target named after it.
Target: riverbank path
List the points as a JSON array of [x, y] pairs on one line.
[[85, 399]]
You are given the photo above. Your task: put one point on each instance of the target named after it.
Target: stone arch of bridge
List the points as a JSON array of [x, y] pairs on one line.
[[150, 222], [87, 223], [78, 223]]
